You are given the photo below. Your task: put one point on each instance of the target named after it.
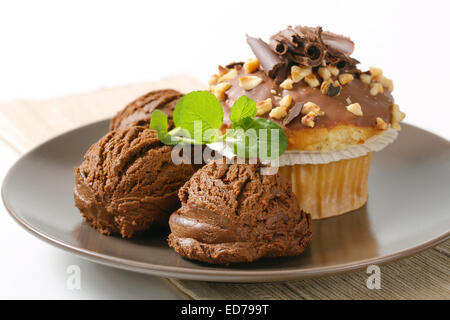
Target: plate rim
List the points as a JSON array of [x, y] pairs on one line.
[[202, 274]]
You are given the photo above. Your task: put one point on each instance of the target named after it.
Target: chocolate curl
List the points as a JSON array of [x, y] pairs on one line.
[[339, 49], [274, 66], [302, 45], [338, 42]]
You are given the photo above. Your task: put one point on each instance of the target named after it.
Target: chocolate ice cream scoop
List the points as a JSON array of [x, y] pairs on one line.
[[138, 112], [128, 182], [232, 213]]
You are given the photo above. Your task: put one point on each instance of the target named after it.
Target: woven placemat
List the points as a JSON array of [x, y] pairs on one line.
[[26, 123]]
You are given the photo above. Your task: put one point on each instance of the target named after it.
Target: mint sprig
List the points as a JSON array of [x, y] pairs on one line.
[[248, 136]]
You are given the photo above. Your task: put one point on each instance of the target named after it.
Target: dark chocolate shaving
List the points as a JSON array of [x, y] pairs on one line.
[[293, 113], [237, 65], [302, 45], [311, 46], [274, 66]]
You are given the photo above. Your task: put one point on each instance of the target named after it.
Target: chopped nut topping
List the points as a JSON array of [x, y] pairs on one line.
[[308, 120], [366, 78], [229, 75], [251, 65], [278, 113], [355, 108], [272, 91], [376, 88], [286, 101], [345, 78], [397, 116], [220, 89], [387, 83], [330, 88], [376, 73], [263, 106], [298, 73], [348, 100], [311, 107], [324, 73], [312, 81], [287, 84], [381, 125], [222, 70], [333, 70], [249, 82], [213, 79]]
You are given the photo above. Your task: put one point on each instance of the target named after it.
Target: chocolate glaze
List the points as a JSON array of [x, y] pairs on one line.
[[334, 107]]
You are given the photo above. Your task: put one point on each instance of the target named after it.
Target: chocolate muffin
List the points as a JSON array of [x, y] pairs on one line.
[[128, 182], [138, 112], [232, 213]]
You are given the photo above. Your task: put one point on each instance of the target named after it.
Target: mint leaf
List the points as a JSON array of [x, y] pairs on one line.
[[159, 122], [255, 138], [242, 108], [199, 107]]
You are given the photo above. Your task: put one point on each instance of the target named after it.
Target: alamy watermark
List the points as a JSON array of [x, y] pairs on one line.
[[241, 146], [73, 281]]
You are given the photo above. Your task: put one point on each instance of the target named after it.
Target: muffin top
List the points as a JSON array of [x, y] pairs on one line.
[[305, 80]]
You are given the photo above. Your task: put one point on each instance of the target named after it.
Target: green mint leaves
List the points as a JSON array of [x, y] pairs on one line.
[[198, 106], [198, 117]]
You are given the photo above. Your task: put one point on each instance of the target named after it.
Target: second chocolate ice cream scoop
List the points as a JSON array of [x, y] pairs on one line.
[[139, 111]]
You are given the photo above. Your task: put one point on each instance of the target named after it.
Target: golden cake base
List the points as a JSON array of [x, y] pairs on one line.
[[327, 190]]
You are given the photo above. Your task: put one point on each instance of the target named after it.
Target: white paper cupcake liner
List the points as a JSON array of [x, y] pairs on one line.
[[293, 157]]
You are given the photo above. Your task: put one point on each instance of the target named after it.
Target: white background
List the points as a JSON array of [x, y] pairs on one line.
[[55, 48]]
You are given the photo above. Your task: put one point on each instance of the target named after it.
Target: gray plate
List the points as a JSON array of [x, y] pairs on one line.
[[408, 211]]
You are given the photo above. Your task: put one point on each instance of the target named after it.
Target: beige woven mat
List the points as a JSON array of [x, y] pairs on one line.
[[24, 124]]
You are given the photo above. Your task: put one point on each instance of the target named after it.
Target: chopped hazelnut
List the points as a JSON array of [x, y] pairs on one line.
[[387, 83], [345, 78], [311, 107], [308, 120], [286, 101], [251, 65], [220, 89], [333, 70], [324, 73], [324, 86], [278, 113], [381, 125], [397, 116], [312, 81], [222, 70], [330, 88], [376, 73], [348, 100], [287, 84], [376, 88], [263, 106], [249, 82], [213, 79], [272, 91], [355, 108], [298, 73], [229, 75], [366, 78]]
